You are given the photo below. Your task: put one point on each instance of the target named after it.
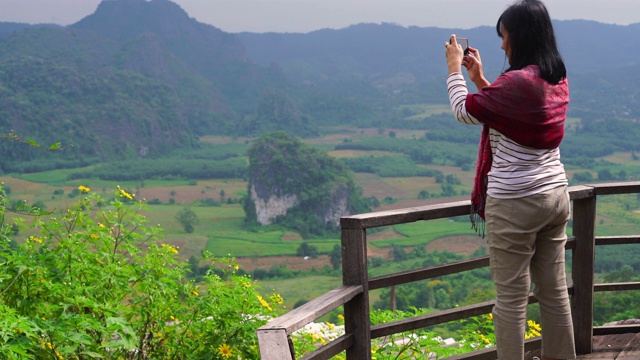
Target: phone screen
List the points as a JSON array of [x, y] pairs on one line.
[[464, 42]]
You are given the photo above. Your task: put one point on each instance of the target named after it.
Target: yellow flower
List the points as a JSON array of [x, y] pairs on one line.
[[170, 248], [35, 239], [83, 189], [534, 329], [225, 351], [276, 298], [195, 292], [101, 225], [264, 302], [94, 236], [125, 194]]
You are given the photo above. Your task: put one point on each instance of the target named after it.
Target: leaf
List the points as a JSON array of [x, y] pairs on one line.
[[92, 354], [33, 143], [55, 146]]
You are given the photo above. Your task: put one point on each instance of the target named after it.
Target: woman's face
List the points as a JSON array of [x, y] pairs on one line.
[[505, 43]]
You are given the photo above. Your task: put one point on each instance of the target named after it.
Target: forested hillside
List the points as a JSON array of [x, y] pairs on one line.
[[141, 79]]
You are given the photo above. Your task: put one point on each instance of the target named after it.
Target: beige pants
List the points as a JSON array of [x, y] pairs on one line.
[[526, 243]]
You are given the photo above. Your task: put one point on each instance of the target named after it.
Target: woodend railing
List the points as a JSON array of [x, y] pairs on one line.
[[274, 337]]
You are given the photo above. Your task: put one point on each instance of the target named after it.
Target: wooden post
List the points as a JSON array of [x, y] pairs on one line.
[[392, 298], [354, 272], [274, 344], [584, 218]]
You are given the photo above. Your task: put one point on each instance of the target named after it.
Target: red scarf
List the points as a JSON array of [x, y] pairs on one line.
[[525, 108]]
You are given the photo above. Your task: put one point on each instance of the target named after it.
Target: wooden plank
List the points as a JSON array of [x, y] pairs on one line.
[[617, 286], [331, 349], [274, 345], [406, 215], [581, 192], [607, 347], [618, 240], [357, 320], [632, 351], [616, 329], [584, 213], [491, 353], [428, 272], [418, 322], [627, 187], [440, 317], [303, 315]]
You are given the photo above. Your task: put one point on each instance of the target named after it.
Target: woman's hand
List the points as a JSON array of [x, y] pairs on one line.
[[454, 55], [473, 64]]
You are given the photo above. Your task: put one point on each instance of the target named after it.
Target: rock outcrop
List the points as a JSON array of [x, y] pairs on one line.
[[297, 186]]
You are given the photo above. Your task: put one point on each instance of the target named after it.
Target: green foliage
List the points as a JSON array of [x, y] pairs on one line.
[[305, 250], [438, 293], [335, 256], [388, 166], [105, 115], [188, 219], [277, 112], [280, 164], [97, 282], [168, 169]]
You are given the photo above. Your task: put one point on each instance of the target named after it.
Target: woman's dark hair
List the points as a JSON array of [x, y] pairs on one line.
[[532, 39]]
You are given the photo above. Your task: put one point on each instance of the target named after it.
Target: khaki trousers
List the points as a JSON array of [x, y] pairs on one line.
[[526, 243]]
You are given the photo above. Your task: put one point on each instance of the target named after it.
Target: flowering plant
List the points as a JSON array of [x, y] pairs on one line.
[[98, 282]]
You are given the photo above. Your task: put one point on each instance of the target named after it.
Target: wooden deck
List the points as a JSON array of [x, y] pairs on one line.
[[609, 347]]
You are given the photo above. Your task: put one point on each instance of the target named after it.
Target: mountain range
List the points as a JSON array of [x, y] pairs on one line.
[[141, 78]]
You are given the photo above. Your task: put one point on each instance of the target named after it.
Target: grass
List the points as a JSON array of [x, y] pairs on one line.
[[221, 228], [306, 288], [422, 233]]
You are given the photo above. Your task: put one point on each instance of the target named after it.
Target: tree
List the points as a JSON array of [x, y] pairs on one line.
[[307, 250], [335, 256], [398, 253], [188, 219]]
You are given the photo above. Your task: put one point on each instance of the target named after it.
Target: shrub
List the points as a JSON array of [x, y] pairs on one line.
[[97, 282]]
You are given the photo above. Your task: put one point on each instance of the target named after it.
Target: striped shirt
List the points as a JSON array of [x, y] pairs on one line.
[[516, 171]]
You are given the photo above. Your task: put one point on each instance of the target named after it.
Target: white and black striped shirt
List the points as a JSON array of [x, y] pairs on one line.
[[516, 170]]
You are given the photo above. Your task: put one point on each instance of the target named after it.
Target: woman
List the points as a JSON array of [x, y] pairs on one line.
[[520, 188]]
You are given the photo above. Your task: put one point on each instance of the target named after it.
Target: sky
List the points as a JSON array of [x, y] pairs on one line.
[[308, 15]]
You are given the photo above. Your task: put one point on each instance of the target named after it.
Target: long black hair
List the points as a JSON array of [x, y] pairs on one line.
[[532, 39]]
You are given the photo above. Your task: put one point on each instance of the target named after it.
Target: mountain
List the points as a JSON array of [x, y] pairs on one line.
[[377, 51], [141, 78], [136, 78], [406, 65]]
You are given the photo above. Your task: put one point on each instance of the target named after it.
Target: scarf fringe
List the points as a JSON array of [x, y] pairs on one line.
[[477, 220]]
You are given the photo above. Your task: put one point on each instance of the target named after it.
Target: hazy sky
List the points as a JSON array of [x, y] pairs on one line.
[[309, 15]]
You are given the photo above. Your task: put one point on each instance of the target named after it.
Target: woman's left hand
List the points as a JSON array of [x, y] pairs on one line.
[[454, 55]]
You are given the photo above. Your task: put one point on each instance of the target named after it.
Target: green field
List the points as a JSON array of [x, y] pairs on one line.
[[221, 231]]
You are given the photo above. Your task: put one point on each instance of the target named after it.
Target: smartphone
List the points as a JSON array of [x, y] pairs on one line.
[[464, 42]]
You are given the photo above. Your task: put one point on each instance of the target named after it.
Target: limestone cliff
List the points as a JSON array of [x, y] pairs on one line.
[[299, 187]]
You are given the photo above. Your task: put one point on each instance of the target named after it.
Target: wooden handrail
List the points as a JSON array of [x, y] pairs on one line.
[[274, 338]]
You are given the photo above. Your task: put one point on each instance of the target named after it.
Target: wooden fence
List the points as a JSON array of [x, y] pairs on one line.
[[274, 337]]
